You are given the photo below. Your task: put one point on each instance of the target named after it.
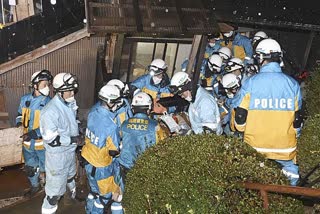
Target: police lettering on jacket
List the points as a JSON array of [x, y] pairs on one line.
[[138, 124], [94, 139], [273, 103]]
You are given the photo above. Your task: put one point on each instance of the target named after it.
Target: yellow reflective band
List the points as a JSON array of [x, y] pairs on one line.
[[36, 119], [286, 150]]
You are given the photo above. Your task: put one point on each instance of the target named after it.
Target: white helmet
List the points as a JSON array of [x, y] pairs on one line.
[[259, 36], [110, 94], [43, 75], [268, 47], [228, 34], [225, 53], [234, 64], [157, 66], [180, 82], [65, 82], [118, 83], [142, 100], [231, 83], [215, 63]]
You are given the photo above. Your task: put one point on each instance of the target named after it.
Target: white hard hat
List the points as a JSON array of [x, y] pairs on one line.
[[215, 63], [180, 78], [142, 100], [225, 53], [234, 64], [228, 34], [268, 47], [157, 66], [231, 83], [65, 82], [180, 82], [117, 83], [110, 94], [259, 35], [43, 75]]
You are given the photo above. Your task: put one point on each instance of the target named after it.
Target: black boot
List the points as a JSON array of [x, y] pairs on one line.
[[32, 191]]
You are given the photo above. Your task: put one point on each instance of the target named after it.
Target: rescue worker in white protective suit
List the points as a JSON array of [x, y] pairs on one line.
[[60, 133], [101, 147], [124, 111], [28, 117], [269, 110], [203, 110]]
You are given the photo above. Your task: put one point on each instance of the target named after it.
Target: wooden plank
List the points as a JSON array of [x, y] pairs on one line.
[[193, 53], [55, 45], [308, 48], [10, 147]]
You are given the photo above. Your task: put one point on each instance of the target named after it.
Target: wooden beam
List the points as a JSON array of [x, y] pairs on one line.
[[117, 55], [307, 51], [200, 54], [53, 46], [193, 53], [137, 15], [88, 15]]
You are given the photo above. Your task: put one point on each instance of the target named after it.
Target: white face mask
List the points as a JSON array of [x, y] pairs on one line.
[[230, 95], [211, 44], [44, 91], [70, 99], [188, 98], [156, 80]]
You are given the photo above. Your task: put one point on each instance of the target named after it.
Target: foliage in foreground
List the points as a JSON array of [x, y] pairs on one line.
[[201, 174]]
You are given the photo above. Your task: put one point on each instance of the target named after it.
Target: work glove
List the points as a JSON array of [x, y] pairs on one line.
[[114, 153], [29, 135], [77, 140]]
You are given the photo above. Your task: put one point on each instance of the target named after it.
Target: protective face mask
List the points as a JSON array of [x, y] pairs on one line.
[[70, 99], [188, 98], [230, 95], [156, 80], [44, 91], [211, 44]]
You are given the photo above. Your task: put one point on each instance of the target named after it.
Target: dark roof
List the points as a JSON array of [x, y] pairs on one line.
[[303, 15]]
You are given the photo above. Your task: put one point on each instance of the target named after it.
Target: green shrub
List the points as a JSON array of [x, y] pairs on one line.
[[200, 174], [312, 91], [309, 147]]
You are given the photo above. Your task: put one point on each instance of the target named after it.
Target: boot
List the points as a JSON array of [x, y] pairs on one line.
[[32, 191]]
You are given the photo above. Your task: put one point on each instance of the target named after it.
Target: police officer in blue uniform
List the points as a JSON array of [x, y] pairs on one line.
[[101, 147], [124, 111], [138, 133], [28, 117]]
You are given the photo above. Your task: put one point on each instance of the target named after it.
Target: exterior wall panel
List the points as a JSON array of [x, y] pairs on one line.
[[78, 58]]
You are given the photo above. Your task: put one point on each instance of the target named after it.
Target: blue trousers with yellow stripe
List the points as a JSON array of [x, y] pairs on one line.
[[96, 202]]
